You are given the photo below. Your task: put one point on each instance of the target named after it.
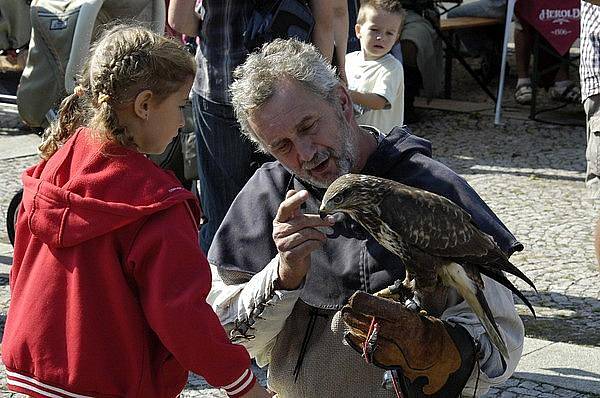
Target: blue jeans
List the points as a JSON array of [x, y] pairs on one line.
[[225, 162]]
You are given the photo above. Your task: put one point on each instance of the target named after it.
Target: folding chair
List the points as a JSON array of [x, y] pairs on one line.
[[509, 14], [446, 30], [510, 11], [538, 47]]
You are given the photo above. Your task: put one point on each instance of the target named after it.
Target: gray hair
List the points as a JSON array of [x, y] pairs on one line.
[[257, 79]]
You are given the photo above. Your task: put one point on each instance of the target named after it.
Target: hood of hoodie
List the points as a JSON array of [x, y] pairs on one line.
[[394, 148], [89, 188]]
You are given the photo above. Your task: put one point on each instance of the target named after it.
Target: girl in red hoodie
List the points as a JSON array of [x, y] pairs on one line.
[[108, 284]]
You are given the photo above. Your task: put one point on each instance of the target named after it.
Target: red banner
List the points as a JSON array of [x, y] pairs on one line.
[[556, 20]]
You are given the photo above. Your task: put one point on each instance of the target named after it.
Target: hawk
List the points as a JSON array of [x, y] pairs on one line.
[[435, 239]]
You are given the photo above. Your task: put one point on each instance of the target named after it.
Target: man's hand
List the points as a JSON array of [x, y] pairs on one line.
[[296, 236], [436, 357]]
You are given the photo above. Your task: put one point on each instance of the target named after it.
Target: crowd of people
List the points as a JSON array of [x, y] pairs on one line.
[[117, 294]]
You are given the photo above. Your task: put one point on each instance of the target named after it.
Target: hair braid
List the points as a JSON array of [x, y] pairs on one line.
[[70, 117]]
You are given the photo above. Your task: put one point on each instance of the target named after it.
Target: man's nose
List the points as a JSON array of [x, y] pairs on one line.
[[306, 149]]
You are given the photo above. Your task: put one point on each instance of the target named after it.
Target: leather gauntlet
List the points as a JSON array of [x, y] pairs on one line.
[[436, 357]]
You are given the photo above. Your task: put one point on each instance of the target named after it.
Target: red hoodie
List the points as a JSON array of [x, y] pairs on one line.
[[108, 284]]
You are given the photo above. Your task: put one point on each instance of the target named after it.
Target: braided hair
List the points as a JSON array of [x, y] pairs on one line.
[[124, 61]]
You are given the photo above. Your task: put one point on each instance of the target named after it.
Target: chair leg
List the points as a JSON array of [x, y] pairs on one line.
[[456, 54], [447, 74], [535, 75]]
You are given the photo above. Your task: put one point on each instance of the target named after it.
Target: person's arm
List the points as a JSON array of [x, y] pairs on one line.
[[255, 312], [389, 84], [369, 100], [422, 345], [172, 280], [183, 18], [252, 313], [323, 32], [494, 370], [340, 36], [594, 2]]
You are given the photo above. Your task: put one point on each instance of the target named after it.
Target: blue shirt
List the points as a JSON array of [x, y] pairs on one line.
[[221, 47]]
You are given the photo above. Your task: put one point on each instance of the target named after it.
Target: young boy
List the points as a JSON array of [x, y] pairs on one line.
[[375, 77]]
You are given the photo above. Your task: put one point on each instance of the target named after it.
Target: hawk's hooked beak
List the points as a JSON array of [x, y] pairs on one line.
[[323, 210]]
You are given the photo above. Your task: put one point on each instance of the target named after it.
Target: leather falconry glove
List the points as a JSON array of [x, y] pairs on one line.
[[434, 356]]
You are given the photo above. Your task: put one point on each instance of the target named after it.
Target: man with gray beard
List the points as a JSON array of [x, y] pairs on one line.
[[281, 273]]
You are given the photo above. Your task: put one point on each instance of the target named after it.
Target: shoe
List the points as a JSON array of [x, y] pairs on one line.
[[570, 95], [523, 94]]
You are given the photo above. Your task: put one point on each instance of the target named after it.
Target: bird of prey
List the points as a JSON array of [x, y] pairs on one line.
[[435, 239]]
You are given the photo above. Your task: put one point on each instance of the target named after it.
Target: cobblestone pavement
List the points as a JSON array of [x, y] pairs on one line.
[[531, 175], [514, 388]]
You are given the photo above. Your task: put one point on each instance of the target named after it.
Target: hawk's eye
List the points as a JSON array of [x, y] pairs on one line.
[[337, 200]]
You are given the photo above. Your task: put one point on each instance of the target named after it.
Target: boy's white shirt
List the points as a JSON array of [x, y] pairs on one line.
[[231, 302], [383, 76]]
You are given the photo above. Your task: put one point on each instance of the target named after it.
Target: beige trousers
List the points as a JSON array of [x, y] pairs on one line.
[[592, 153]]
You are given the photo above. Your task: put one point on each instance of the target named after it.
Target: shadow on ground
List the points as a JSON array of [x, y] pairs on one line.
[[562, 380], [484, 148], [562, 318]]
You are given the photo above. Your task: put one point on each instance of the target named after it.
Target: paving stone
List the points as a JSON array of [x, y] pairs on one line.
[[530, 386], [511, 383], [521, 391], [565, 393]]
